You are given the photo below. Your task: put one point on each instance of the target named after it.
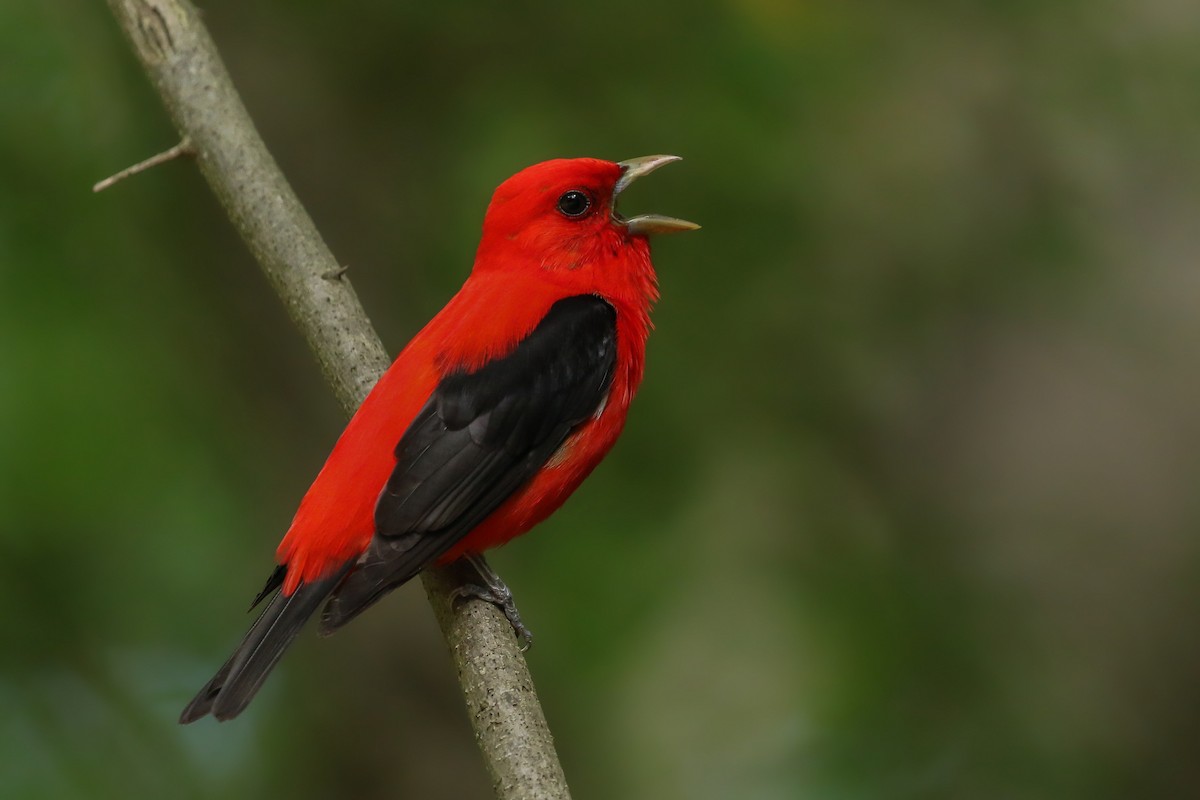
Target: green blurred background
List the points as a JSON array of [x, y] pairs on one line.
[[907, 507]]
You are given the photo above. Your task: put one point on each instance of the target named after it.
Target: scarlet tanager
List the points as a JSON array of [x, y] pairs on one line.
[[486, 422]]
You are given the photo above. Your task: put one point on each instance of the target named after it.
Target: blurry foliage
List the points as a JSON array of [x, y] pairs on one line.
[[906, 507]]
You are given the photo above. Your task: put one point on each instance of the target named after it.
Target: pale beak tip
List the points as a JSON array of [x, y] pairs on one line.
[[635, 168], [648, 224]]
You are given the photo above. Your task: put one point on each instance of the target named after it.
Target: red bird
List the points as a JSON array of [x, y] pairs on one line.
[[486, 422]]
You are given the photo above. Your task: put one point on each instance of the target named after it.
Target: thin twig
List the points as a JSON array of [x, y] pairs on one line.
[[181, 60], [184, 148]]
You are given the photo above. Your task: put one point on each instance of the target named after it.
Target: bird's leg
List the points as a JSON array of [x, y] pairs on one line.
[[493, 590]]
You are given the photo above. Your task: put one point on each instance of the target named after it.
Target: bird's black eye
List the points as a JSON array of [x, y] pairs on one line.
[[574, 204]]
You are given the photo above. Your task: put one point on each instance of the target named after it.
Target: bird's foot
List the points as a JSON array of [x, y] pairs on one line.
[[492, 589]]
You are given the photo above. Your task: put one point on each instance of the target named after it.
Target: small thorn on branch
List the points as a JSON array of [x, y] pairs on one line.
[[184, 148], [335, 274]]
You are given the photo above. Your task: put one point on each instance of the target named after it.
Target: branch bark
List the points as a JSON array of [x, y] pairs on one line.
[[182, 62]]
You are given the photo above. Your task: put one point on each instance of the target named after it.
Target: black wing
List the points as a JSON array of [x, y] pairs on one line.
[[480, 437]]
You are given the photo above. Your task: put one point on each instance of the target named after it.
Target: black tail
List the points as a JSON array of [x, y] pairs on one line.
[[237, 681]]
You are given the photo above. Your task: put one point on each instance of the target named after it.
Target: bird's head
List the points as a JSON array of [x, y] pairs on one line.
[[561, 215]]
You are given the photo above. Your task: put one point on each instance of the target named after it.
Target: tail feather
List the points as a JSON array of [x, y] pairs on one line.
[[388, 563], [237, 681]]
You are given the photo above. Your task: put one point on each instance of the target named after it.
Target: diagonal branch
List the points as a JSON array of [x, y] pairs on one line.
[[182, 62]]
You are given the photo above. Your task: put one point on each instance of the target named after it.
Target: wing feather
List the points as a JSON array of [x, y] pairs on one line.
[[481, 436]]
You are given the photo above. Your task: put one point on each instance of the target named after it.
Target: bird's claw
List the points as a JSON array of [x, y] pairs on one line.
[[502, 600], [496, 592]]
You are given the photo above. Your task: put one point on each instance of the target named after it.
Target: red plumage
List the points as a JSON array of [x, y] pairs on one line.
[[535, 252]]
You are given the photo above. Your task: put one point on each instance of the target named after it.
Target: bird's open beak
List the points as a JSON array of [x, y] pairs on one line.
[[646, 224]]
